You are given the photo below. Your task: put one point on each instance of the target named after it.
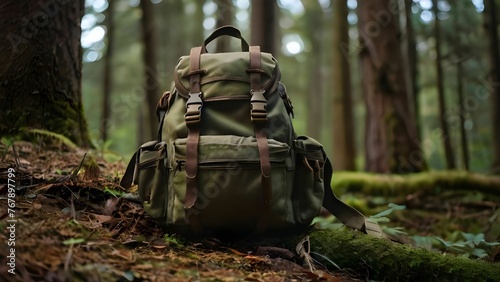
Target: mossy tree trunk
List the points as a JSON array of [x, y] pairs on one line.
[[391, 138], [383, 260], [40, 68]]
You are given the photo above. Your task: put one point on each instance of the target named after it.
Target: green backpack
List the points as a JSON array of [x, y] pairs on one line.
[[227, 159]]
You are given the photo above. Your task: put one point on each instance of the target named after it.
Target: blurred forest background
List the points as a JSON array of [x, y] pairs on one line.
[[387, 86], [440, 55]]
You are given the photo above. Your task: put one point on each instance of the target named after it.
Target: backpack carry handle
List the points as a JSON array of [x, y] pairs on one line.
[[226, 30]]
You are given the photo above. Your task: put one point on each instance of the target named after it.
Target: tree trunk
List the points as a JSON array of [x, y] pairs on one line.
[[383, 260], [344, 149], [106, 103], [448, 151], [198, 31], [460, 91], [491, 26], [151, 84], [412, 70], [264, 25], [224, 17], [40, 68], [432, 183], [314, 21], [463, 133], [392, 143]]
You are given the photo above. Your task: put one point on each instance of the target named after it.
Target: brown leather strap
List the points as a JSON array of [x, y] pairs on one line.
[[254, 69], [258, 110], [194, 69], [267, 186], [259, 119], [192, 117], [191, 167]]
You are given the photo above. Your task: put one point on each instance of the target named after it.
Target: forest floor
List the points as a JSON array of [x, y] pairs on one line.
[[69, 225]]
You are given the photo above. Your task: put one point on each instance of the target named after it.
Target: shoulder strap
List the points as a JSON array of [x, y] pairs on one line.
[[345, 213]]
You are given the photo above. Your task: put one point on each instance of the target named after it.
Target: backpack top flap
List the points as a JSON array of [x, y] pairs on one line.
[[221, 68]]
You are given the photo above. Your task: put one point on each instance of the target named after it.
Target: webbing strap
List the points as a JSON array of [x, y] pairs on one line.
[[129, 175], [259, 120], [345, 213], [192, 117]]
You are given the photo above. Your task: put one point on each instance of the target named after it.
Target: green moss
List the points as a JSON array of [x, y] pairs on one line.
[[430, 182], [384, 260], [174, 241]]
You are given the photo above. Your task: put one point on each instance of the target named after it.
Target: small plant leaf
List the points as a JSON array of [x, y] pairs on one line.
[[480, 253], [73, 241], [397, 207]]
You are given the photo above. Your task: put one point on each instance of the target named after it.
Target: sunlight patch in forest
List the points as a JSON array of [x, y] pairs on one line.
[[92, 36], [292, 44], [209, 23], [99, 5], [243, 4], [295, 7], [425, 4], [479, 4], [242, 16]]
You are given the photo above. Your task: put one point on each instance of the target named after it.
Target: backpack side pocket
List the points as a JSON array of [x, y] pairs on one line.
[[308, 189], [151, 174]]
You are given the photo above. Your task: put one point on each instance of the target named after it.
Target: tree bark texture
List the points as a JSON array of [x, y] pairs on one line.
[[151, 84], [448, 150], [264, 25], [344, 147], [391, 139], [40, 68], [491, 26]]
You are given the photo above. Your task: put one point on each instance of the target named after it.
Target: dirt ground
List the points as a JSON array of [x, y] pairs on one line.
[[68, 225]]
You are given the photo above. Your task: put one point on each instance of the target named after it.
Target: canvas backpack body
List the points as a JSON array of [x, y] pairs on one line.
[[227, 159]]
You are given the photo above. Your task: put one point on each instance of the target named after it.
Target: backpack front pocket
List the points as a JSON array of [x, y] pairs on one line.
[[229, 183]]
